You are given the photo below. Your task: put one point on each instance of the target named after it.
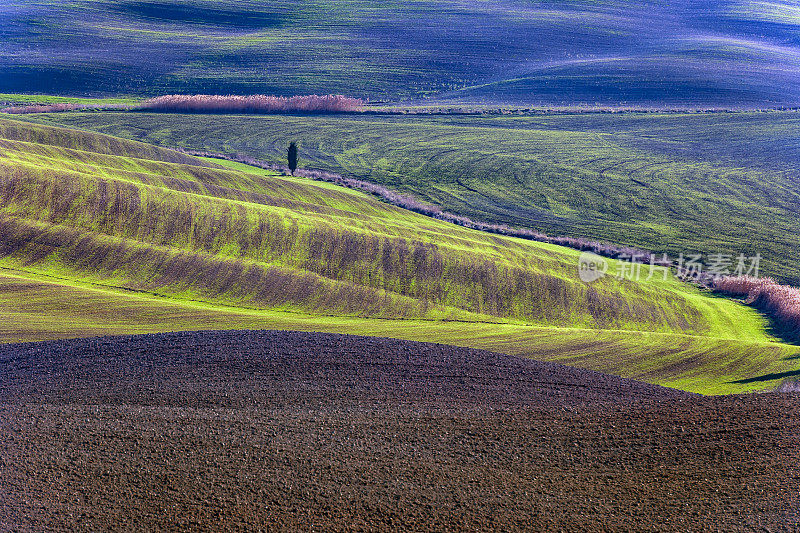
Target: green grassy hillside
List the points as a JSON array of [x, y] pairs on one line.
[[675, 183], [713, 53], [36, 307], [101, 235], [267, 241]]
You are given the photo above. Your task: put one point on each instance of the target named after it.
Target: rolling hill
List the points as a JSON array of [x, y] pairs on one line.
[[102, 235], [719, 183], [286, 431], [718, 53]]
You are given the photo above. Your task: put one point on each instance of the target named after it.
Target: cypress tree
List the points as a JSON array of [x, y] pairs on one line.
[[292, 157]]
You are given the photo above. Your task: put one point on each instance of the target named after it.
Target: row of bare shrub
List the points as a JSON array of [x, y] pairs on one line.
[[412, 204], [207, 103], [478, 109], [43, 108], [779, 302], [259, 103], [59, 108]]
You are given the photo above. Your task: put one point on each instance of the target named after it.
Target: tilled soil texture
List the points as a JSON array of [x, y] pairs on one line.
[[280, 430]]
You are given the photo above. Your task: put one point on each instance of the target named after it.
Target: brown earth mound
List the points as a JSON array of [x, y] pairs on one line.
[[281, 430]]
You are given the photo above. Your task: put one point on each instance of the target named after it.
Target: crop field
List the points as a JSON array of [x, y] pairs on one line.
[[671, 183], [719, 53], [102, 235], [279, 431]]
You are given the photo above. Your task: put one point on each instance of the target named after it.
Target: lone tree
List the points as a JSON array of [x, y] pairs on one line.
[[292, 157]]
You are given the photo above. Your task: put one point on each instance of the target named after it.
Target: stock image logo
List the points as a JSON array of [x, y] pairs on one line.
[[591, 267]]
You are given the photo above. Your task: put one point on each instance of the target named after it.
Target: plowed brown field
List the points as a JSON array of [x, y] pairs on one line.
[[276, 430]]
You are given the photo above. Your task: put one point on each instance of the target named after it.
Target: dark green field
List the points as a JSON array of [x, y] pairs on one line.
[[716, 53], [674, 183]]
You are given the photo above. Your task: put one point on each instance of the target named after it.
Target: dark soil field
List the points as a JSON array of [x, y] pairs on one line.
[[284, 431]]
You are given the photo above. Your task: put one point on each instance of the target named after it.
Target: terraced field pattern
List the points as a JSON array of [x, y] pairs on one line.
[[102, 235]]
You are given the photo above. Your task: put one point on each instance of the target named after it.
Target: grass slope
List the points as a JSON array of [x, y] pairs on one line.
[[711, 53], [102, 236], [35, 99], [267, 241], [36, 307], [675, 183]]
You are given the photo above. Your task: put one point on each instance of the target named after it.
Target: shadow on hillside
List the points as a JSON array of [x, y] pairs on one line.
[[785, 335], [774, 328], [768, 377]]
